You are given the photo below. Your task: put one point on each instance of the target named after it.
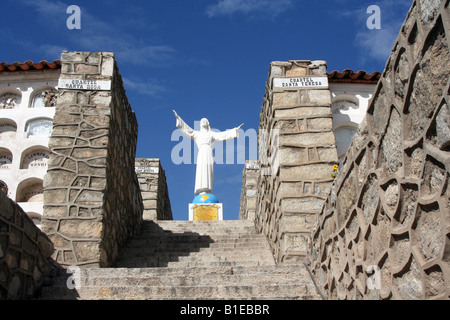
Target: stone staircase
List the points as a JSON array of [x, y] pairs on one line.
[[191, 260]]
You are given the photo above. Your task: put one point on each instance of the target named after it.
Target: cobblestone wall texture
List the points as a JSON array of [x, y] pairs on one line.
[[296, 152], [390, 204], [250, 176], [25, 252], [153, 184], [92, 200]]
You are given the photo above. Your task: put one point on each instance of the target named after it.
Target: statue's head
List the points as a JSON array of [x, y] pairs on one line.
[[204, 123]]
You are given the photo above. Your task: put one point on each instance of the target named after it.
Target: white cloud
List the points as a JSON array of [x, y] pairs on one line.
[[150, 88], [52, 50], [377, 44], [102, 36], [229, 7]]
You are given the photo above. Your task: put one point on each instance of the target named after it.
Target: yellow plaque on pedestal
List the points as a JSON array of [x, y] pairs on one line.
[[205, 212]]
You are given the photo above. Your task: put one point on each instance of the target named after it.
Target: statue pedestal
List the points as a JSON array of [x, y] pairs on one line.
[[205, 211]]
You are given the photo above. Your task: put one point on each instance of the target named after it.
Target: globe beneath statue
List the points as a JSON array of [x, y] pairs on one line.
[[205, 198]]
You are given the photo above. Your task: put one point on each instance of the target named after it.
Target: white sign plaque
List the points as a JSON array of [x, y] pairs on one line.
[[144, 169], [301, 82], [84, 84]]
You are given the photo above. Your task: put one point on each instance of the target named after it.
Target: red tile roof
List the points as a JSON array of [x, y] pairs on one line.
[[347, 75], [29, 66], [355, 77]]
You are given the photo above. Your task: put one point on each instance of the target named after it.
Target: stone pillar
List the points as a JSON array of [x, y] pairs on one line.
[[153, 185], [92, 202], [250, 176], [297, 154]]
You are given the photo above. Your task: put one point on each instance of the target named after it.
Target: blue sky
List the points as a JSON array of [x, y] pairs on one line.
[[203, 58]]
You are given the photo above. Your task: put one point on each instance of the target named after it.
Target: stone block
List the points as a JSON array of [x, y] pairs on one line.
[[61, 179], [149, 195], [89, 197], [85, 251], [302, 112], [81, 228], [319, 123], [150, 214], [298, 222], [72, 57], [328, 154], [292, 155], [443, 127], [295, 242], [81, 153], [296, 72], [276, 71], [57, 196], [308, 139], [309, 172], [107, 68], [66, 118], [321, 97], [86, 68], [291, 188], [100, 98], [150, 203], [64, 130], [251, 193], [307, 204], [66, 97], [285, 99]]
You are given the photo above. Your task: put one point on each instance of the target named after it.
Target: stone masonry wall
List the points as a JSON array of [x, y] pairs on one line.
[[24, 252], [250, 175], [92, 201], [384, 232], [153, 185], [296, 153]]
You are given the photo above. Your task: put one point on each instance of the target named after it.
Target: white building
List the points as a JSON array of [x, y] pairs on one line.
[[350, 95], [27, 106]]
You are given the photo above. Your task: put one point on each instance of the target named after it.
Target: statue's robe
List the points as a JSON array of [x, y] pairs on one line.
[[205, 139]]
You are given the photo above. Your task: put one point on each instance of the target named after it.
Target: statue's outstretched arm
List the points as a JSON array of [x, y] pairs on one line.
[[188, 131], [227, 134]]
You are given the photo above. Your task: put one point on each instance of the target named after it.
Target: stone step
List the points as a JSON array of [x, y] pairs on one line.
[[151, 263], [191, 260], [162, 261], [196, 224], [284, 291], [185, 255], [188, 236], [107, 279], [195, 247], [238, 282], [276, 270], [163, 242], [200, 227], [185, 281], [229, 253]]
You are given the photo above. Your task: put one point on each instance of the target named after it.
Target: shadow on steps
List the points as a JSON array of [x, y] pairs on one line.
[[156, 247]]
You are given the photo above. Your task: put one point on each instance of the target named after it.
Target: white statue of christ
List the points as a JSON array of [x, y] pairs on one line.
[[204, 139]]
